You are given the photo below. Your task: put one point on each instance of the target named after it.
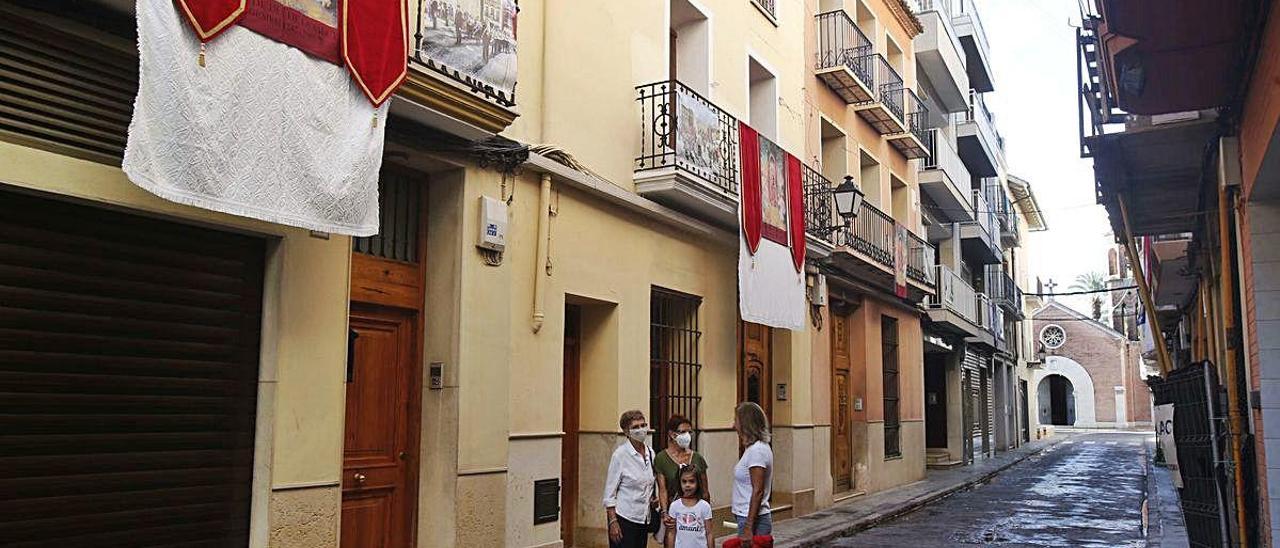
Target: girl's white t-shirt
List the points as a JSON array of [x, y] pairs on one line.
[[758, 454], [691, 523]]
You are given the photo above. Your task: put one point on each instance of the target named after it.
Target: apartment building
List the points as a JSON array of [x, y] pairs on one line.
[[421, 389]]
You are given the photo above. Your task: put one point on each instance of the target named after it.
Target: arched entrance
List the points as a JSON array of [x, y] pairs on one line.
[[1057, 401], [1074, 390]]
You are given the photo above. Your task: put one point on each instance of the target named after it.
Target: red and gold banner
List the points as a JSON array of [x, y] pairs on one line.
[[209, 18], [309, 25], [375, 45], [749, 147], [795, 197]]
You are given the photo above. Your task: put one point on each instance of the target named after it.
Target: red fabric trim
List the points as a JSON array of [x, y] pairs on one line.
[[209, 18], [795, 199], [749, 151], [375, 45], [283, 24]]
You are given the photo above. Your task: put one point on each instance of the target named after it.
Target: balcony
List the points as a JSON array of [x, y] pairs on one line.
[[973, 38], [843, 58], [819, 211], [885, 111], [913, 143], [940, 55], [1006, 214], [978, 141], [1003, 290], [688, 152], [866, 247], [954, 307], [943, 175], [980, 239]]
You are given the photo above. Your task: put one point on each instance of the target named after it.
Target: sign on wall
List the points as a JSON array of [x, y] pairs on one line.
[[1163, 420]]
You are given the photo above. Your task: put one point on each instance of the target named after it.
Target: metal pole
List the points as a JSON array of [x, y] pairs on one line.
[[1144, 290], [1226, 204]]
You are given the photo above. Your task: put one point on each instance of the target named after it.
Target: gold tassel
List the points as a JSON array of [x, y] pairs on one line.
[[200, 58], [375, 120]]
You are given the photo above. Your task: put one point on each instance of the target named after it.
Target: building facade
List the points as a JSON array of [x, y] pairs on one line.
[[417, 388], [1184, 163], [1093, 376]]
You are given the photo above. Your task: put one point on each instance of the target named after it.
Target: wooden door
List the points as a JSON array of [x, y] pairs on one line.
[[841, 408], [569, 444], [935, 404], [379, 475], [755, 378]]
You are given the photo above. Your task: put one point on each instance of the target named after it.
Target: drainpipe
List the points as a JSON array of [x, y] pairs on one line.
[[540, 264], [1226, 297]]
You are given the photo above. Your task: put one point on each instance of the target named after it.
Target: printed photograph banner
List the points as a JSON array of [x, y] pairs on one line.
[[1163, 419], [474, 37], [900, 260], [773, 192], [698, 135]]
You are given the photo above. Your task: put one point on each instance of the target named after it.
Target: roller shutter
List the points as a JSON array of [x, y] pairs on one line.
[[128, 378]]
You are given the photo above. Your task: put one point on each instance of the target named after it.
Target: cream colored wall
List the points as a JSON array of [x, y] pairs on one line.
[[820, 101], [885, 473], [301, 391]]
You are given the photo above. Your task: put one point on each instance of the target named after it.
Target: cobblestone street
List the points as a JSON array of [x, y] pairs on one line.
[[1087, 491]]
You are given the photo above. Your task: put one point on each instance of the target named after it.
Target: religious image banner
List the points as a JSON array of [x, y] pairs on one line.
[[770, 281]]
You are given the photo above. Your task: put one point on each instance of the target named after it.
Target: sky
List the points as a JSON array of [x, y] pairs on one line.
[[1034, 103]]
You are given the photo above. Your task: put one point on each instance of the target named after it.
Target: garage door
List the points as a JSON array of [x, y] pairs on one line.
[[128, 376]]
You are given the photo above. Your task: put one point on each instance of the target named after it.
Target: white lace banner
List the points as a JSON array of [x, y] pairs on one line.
[[261, 131]]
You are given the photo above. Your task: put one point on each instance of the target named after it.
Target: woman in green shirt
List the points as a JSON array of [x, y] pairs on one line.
[[677, 455]]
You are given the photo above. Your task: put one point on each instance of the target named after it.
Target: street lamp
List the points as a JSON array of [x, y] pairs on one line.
[[848, 198]]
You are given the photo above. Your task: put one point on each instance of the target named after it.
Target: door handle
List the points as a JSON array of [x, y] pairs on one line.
[[360, 478], [404, 455]]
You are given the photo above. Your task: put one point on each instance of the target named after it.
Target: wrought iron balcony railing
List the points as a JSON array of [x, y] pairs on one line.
[[954, 294], [682, 129], [1002, 289], [921, 256], [818, 206], [916, 117], [870, 233], [842, 44], [770, 7], [886, 84]]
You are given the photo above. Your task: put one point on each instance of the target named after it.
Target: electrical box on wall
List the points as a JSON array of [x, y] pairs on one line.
[[493, 224]]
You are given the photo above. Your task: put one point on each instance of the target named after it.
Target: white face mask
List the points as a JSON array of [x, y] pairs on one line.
[[638, 434], [684, 439]]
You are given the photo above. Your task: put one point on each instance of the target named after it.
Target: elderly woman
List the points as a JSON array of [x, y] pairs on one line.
[[753, 475], [629, 487]]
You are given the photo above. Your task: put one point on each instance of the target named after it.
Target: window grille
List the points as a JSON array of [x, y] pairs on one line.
[[889, 350], [673, 360], [399, 219]]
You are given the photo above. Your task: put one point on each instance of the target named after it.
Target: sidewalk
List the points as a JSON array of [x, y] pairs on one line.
[[1165, 527], [867, 511]]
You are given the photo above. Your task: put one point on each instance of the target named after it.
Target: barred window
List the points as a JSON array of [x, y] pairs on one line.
[[399, 218], [889, 351], [673, 360]]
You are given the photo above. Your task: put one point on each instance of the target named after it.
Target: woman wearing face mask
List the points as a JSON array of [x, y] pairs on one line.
[[676, 457], [629, 486]]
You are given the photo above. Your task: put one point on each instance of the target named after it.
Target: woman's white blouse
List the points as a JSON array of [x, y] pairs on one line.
[[630, 483]]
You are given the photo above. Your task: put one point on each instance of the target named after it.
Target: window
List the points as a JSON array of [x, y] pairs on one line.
[[769, 8], [763, 92], [673, 359], [869, 176], [1053, 336], [399, 219], [690, 47], [889, 364]]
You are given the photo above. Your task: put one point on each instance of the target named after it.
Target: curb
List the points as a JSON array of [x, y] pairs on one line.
[[867, 522]]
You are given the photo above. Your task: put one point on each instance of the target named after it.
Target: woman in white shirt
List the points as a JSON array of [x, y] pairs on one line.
[[629, 487], [753, 475]]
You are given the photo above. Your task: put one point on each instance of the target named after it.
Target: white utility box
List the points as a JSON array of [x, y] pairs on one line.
[[493, 224]]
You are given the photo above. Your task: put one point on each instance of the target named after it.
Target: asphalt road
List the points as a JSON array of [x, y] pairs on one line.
[[1084, 492]]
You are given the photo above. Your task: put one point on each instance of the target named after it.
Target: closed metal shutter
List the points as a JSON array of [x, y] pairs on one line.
[[973, 390], [128, 378]]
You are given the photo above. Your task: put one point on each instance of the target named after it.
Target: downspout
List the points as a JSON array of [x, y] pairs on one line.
[[540, 264], [1226, 297]]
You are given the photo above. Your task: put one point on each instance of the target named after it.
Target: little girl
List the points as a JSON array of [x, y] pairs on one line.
[[689, 517]]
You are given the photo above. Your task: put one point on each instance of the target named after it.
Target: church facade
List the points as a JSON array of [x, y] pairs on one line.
[[1092, 375]]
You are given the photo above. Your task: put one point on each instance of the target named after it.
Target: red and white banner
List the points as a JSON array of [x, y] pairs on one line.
[[900, 260], [771, 247], [260, 129], [209, 18], [375, 45]]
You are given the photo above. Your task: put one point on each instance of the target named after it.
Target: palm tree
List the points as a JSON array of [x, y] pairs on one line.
[[1091, 281]]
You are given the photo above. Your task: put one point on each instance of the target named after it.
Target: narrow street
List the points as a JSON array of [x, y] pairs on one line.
[[1086, 491]]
